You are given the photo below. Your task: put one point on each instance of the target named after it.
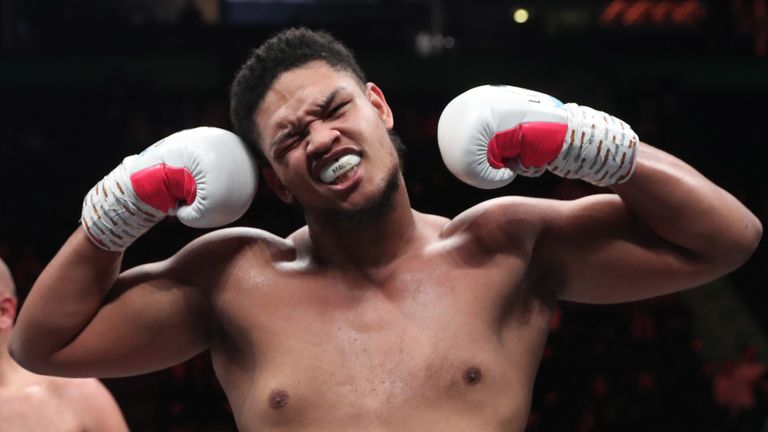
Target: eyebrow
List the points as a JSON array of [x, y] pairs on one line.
[[321, 106], [326, 103]]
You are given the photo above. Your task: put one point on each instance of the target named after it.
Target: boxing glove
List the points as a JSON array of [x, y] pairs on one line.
[[490, 134], [204, 176]]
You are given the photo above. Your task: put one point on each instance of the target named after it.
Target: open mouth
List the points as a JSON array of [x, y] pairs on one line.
[[340, 170]]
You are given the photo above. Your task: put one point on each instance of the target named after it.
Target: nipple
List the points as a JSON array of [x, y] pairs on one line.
[[278, 398], [473, 375]]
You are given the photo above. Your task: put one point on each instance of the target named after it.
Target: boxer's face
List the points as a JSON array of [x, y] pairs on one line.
[[313, 116]]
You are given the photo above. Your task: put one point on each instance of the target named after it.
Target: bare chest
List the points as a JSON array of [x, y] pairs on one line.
[[435, 337]]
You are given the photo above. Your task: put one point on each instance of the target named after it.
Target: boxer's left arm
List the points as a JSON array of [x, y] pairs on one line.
[[669, 228]]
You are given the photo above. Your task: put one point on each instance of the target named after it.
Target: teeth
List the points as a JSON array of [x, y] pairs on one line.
[[343, 165]]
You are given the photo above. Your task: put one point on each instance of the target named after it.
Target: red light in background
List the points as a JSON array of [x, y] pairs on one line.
[[761, 28], [753, 20], [647, 12]]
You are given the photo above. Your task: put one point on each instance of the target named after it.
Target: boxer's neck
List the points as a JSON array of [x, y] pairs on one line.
[[366, 246], [11, 374]]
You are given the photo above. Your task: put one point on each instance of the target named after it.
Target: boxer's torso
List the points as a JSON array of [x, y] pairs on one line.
[[447, 337]]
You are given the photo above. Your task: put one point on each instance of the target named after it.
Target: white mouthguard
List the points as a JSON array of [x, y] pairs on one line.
[[341, 166]]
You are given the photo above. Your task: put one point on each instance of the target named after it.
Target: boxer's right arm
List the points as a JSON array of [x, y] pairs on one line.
[[83, 318]]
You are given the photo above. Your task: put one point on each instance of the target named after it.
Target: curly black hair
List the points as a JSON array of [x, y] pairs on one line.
[[286, 50]]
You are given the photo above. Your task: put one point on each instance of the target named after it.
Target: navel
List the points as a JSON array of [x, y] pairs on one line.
[[473, 375], [278, 398]]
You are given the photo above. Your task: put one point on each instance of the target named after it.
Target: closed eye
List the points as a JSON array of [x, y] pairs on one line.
[[333, 112], [290, 141]]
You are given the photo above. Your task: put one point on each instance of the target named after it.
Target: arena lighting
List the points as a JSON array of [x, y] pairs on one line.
[[649, 12], [520, 15], [429, 44]]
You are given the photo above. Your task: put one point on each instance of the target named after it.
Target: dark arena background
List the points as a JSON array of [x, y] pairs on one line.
[[85, 82]]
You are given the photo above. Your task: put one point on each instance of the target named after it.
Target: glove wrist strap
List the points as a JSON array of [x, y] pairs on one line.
[[599, 148], [113, 216]]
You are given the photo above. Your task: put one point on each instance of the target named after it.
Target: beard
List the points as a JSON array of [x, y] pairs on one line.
[[373, 211], [384, 203]]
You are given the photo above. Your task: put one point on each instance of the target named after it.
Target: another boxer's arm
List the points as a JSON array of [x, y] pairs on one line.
[[669, 228]]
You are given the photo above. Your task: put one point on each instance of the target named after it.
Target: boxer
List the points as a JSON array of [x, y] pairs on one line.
[[372, 316], [30, 402]]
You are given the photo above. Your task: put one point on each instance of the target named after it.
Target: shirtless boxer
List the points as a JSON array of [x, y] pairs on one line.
[[30, 402], [373, 316]]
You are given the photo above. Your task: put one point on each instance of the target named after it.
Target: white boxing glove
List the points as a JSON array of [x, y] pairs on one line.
[[489, 134], [204, 176]]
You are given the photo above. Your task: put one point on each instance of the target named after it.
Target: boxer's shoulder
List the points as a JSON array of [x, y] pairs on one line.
[[73, 388], [236, 238], [46, 389], [515, 213], [222, 248], [500, 224], [35, 402]]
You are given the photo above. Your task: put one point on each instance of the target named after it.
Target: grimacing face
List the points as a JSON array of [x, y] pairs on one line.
[[311, 118]]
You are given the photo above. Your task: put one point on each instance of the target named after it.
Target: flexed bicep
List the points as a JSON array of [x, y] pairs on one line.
[[81, 322], [605, 254], [149, 321]]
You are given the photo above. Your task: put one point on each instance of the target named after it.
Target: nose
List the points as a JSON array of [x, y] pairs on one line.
[[321, 138]]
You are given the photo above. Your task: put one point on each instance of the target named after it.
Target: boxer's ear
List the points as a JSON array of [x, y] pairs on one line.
[[7, 312], [376, 98]]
